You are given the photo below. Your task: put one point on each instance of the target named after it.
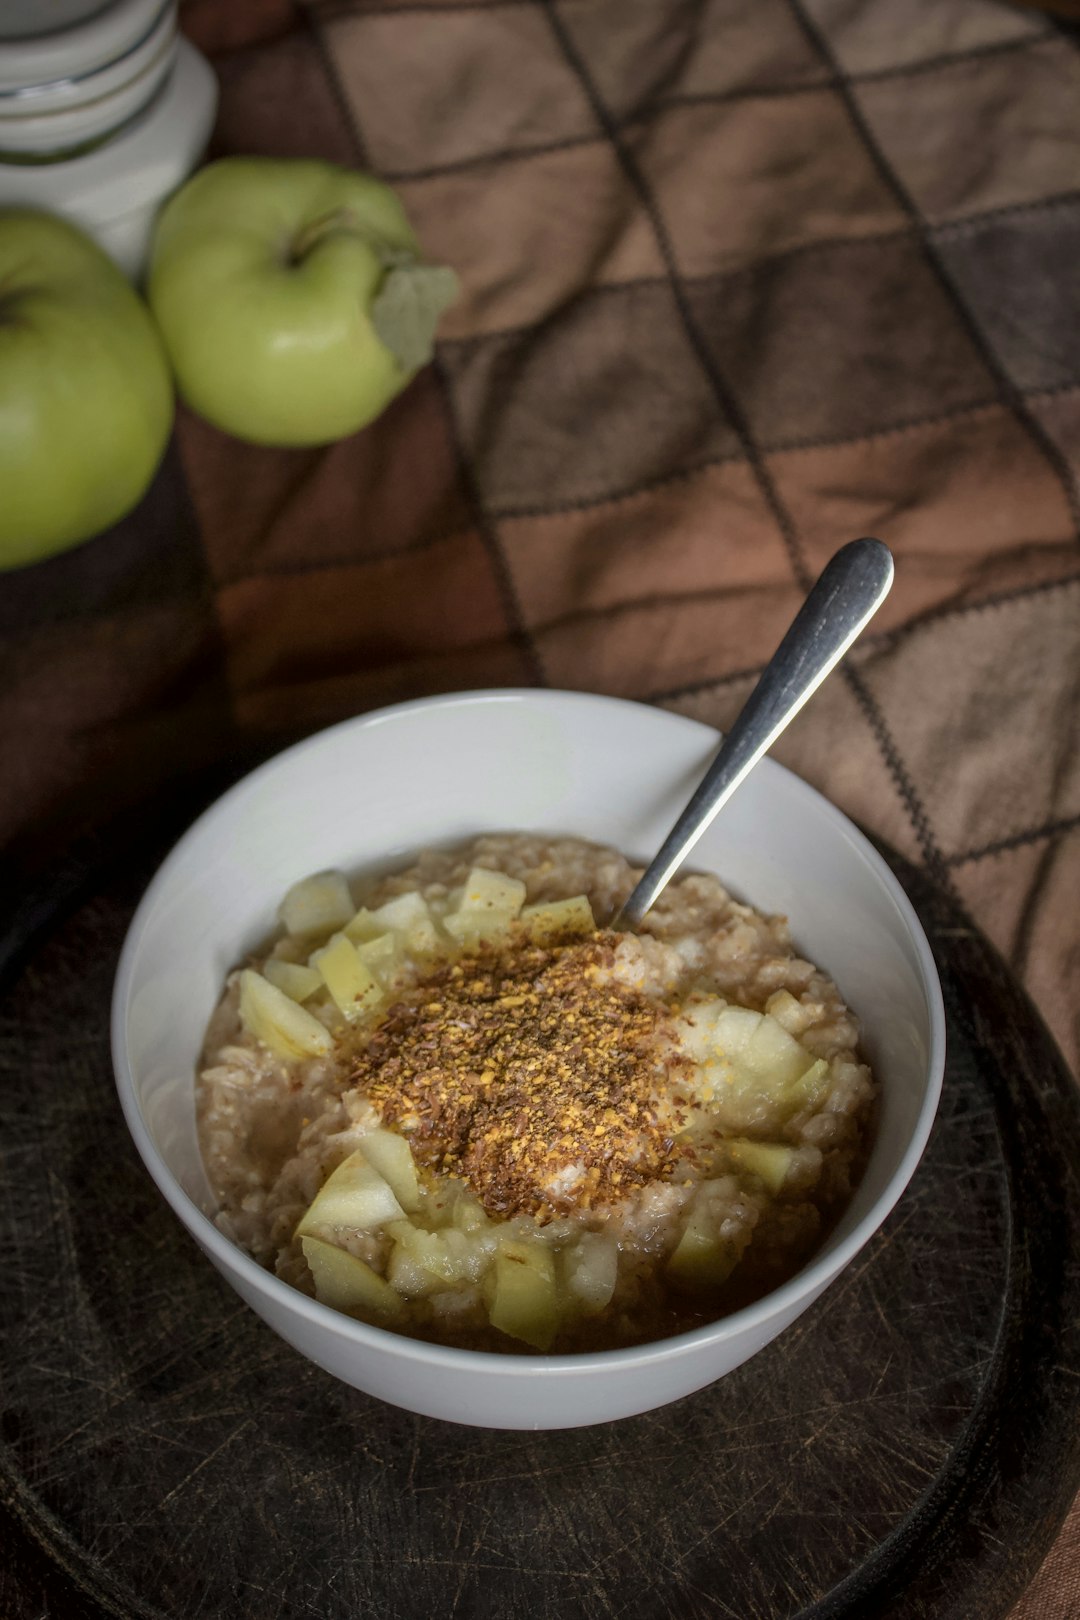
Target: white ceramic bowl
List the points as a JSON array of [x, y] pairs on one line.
[[370, 792]]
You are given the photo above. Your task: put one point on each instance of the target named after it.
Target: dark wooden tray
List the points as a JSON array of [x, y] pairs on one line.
[[907, 1448]]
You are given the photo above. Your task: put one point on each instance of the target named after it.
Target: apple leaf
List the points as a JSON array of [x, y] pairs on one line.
[[407, 307]]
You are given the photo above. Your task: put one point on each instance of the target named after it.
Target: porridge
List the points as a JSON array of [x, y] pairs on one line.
[[467, 1110]]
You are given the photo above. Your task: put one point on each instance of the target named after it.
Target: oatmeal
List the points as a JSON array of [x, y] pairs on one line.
[[468, 1110]]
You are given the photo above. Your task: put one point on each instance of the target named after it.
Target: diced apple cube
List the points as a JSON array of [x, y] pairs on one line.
[[447, 1256], [788, 1011], [554, 917], [317, 904], [408, 1275], [714, 1031], [356, 1196], [363, 926], [747, 1055], [701, 1259], [347, 1283], [353, 988], [381, 956], [525, 1299], [407, 916], [477, 927], [808, 1090], [774, 1055], [446, 1253], [273, 1018], [391, 1156], [485, 908], [440, 1199], [592, 1267], [295, 979], [460, 1257], [769, 1160], [469, 1215], [492, 891]]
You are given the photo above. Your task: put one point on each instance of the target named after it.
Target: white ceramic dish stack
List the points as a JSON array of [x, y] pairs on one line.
[[62, 90], [104, 110], [367, 794]]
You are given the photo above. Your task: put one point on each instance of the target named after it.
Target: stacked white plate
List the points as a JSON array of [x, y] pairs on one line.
[[96, 67], [104, 110]]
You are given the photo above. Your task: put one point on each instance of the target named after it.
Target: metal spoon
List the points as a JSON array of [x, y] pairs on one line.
[[852, 587]]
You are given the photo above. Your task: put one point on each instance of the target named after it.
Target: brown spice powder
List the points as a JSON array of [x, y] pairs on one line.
[[508, 1066]]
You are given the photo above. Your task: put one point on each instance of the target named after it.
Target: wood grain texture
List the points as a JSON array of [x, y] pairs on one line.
[[906, 1449]]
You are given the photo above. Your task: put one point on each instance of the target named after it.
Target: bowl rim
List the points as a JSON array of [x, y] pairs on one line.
[[804, 1286]]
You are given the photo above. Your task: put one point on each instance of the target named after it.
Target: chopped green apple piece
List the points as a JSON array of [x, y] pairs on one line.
[[774, 1055], [701, 1259], [288, 1030], [391, 1156], [409, 1276], [769, 1160], [525, 1299], [356, 1196], [787, 1011], [573, 916], [347, 1283], [478, 927], [592, 1267], [423, 1262], [469, 1215], [295, 979], [352, 986], [808, 1090], [440, 1199], [485, 907], [749, 1063], [721, 1031], [364, 926], [407, 916], [317, 904], [450, 1203], [713, 1031], [492, 891], [381, 956], [447, 1255]]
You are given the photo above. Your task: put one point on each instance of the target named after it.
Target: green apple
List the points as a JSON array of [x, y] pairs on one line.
[[292, 298], [86, 399]]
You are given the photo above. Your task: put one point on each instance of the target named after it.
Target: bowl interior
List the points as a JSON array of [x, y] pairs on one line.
[[367, 794]]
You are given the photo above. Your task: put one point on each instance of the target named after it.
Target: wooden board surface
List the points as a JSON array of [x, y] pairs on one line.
[[907, 1448]]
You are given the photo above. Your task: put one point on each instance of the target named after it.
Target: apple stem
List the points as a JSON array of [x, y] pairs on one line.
[[340, 221]]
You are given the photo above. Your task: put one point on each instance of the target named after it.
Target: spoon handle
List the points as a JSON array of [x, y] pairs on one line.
[[852, 587]]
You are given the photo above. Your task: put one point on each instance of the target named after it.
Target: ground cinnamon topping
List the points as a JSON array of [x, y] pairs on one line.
[[529, 1072]]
